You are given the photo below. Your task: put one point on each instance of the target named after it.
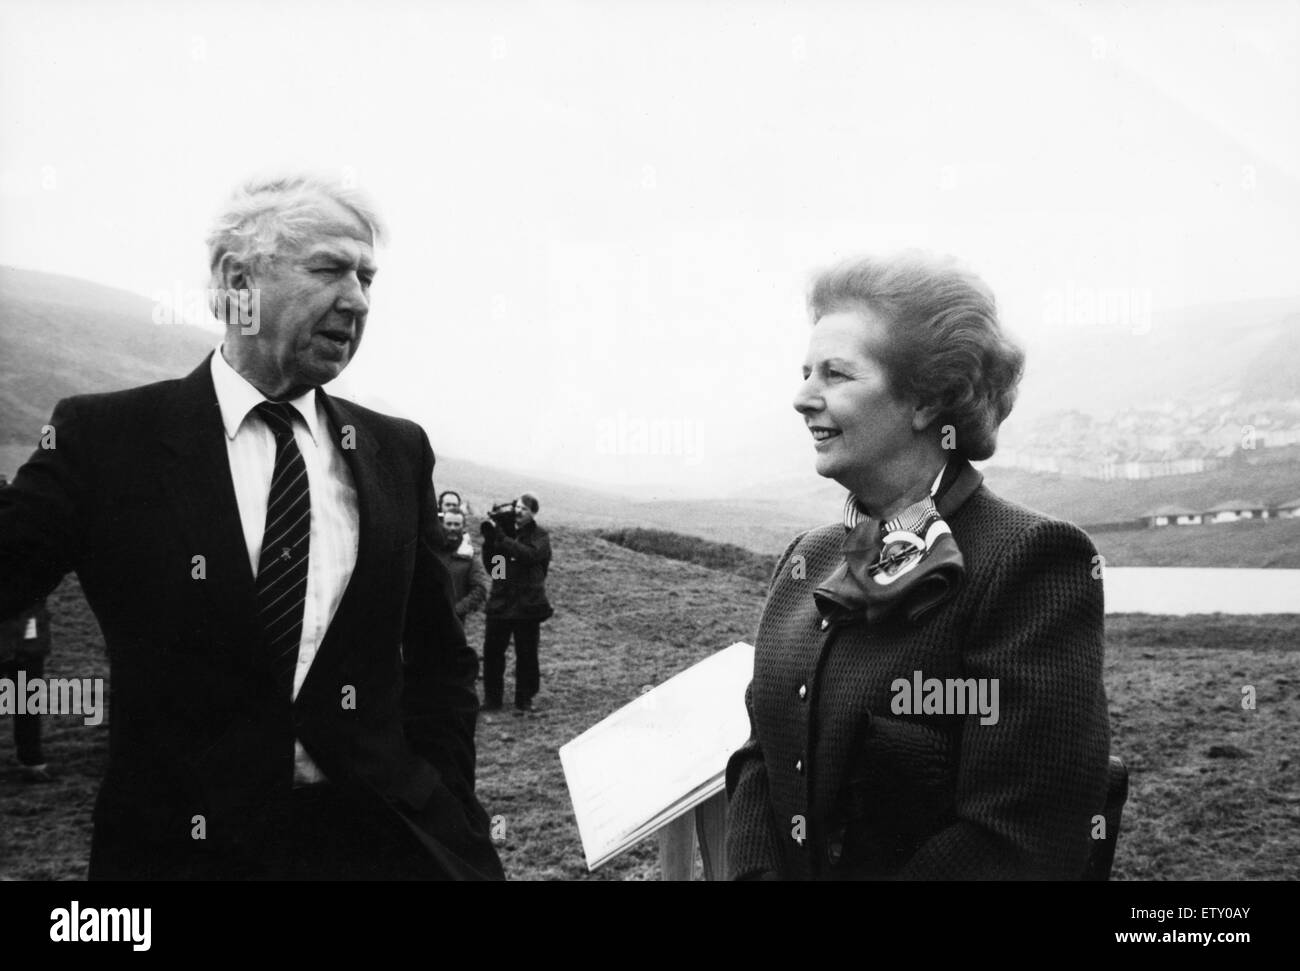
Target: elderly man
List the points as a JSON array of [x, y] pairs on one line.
[[291, 693]]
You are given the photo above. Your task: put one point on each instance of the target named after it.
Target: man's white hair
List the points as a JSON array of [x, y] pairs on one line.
[[268, 215]]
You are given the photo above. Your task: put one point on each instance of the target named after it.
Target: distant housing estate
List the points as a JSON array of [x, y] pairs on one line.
[[1174, 439], [1234, 510]]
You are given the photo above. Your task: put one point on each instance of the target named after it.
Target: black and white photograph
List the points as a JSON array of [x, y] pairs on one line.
[[570, 441]]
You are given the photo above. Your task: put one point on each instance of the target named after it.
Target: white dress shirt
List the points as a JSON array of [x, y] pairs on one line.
[[335, 522]]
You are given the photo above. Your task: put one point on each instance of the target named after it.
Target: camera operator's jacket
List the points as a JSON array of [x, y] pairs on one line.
[[521, 593]]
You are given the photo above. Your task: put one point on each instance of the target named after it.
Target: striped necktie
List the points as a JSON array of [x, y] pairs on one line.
[[282, 567]]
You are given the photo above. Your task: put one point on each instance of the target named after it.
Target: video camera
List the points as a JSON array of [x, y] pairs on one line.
[[503, 514]]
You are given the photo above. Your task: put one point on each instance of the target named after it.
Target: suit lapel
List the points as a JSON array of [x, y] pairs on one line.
[[195, 475], [371, 474]]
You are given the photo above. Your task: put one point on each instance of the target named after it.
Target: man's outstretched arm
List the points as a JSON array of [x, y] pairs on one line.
[[42, 513]]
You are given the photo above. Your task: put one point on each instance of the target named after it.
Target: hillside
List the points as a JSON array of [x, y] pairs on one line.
[[1256, 544], [573, 505], [1088, 501], [798, 503], [61, 336], [1275, 371], [1265, 544], [1111, 367], [1101, 370], [764, 527]]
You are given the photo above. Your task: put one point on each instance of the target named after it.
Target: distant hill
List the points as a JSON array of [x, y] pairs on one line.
[[756, 525], [61, 336], [482, 485], [1259, 544], [726, 557], [1275, 370], [1197, 353], [1246, 349], [1089, 501], [791, 505]]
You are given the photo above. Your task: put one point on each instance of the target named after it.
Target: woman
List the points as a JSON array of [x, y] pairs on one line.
[[927, 699]]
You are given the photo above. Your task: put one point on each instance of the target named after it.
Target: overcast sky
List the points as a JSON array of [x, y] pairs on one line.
[[604, 216]]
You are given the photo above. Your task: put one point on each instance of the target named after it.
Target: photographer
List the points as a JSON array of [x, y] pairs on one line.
[[517, 554]]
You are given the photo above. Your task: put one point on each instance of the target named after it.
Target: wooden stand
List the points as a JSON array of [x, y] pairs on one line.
[[707, 824]]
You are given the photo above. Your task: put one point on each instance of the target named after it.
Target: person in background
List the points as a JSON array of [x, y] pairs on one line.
[[24, 645], [469, 581], [449, 501], [517, 606]]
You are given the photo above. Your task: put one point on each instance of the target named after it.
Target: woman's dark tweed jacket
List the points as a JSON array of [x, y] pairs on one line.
[[833, 785]]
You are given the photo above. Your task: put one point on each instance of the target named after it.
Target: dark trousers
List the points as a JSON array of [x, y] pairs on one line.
[[496, 639], [27, 728]]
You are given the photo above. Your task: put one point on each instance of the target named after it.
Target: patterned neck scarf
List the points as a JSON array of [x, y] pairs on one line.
[[909, 564]]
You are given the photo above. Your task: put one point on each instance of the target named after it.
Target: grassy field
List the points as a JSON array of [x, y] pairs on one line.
[[1215, 793], [1264, 543]]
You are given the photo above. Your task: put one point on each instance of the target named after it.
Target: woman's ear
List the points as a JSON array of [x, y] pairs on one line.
[[925, 415]]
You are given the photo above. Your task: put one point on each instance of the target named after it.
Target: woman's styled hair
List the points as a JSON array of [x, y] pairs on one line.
[[267, 215], [944, 345]]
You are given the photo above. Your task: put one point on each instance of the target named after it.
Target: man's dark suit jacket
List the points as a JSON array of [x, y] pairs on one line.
[[136, 490]]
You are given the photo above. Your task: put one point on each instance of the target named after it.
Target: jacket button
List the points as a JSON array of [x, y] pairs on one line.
[[825, 623], [798, 766], [803, 692], [835, 848]]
